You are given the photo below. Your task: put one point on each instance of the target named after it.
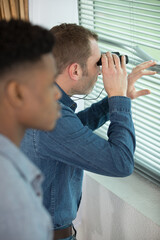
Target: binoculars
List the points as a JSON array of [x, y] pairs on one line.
[[99, 63]]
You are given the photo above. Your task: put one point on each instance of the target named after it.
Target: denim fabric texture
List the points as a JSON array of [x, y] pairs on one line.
[[22, 213], [63, 154]]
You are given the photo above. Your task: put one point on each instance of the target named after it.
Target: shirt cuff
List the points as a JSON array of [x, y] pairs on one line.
[[119, 104]]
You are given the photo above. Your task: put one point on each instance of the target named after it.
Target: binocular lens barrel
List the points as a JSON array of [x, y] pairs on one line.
[[99, 63]]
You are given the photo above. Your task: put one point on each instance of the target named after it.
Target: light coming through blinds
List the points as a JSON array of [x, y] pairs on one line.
[[131, 28]]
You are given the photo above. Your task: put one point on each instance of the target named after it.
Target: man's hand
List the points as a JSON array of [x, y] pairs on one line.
[[138, 72], [114, 75]]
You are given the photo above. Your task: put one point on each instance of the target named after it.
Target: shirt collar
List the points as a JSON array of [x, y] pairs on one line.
[[66, 100], [23, 165]]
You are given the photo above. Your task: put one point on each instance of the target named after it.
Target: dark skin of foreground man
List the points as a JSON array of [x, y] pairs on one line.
[[28, 99], [63, 154]]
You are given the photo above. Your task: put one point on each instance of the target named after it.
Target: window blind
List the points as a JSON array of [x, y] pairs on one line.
[[131, 27]]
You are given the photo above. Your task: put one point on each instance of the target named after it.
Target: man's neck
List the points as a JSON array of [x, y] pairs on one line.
[[11, 129], [64, 83]]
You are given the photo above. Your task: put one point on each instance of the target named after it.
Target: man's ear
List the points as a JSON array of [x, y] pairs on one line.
[[14, 93], [75, 71]]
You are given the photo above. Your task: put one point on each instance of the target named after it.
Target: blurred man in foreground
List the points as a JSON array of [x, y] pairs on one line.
[[28, 99]]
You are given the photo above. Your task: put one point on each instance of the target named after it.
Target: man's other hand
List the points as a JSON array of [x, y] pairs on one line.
[[137, 72]]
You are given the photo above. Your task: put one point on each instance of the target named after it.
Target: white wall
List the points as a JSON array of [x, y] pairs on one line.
[[48, 13]]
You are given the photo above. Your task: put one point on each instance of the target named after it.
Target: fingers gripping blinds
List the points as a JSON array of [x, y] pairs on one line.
[[132, 27]]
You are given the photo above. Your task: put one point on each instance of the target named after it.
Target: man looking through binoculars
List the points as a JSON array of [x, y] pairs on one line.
[[72, 147]]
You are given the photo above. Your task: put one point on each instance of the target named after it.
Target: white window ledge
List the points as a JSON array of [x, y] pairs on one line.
[[136, 191]]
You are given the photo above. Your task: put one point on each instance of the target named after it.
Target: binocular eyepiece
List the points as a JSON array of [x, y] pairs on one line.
[[99, 63]]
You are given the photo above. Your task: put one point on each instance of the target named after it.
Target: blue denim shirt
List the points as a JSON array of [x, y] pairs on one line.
[[63, 154], [22, 215]]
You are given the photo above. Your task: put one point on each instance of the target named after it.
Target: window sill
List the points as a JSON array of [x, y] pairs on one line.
[[138, 192]]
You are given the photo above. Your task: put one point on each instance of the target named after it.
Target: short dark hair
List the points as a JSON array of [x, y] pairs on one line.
[[72, 45], [22, 42]]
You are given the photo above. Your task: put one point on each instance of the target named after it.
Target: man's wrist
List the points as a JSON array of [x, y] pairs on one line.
[[118, 94]]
